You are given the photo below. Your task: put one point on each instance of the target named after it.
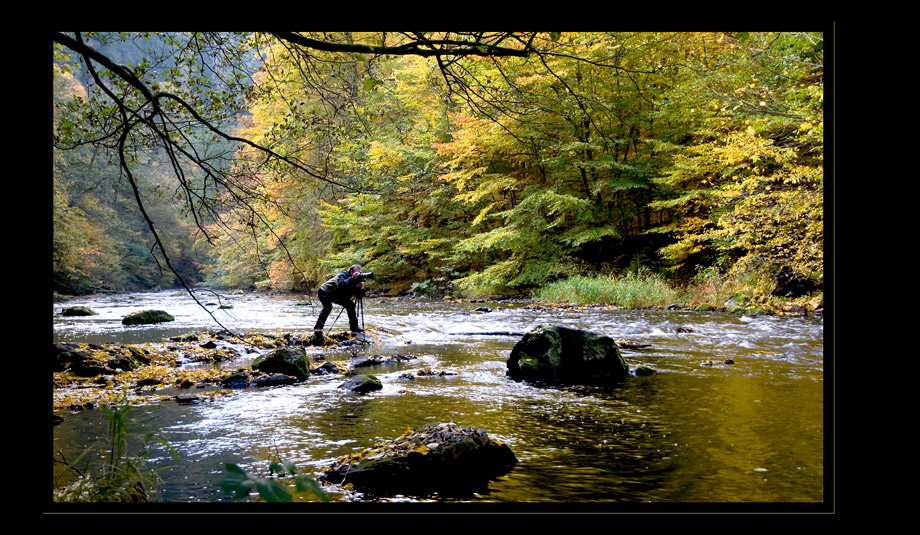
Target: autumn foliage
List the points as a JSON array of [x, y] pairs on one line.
[[680, 153]]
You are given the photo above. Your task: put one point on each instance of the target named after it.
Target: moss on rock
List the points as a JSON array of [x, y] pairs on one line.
[[79, 311], [555, 354], [286, 360], [441, 458], [146, 317]]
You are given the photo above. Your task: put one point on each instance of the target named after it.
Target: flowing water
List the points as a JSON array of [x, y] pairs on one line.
[[742, 433]]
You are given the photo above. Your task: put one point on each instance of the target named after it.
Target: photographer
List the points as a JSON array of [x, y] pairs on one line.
[[339, 290]]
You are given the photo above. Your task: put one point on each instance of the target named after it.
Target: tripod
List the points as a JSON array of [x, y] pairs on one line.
[[359, 309]]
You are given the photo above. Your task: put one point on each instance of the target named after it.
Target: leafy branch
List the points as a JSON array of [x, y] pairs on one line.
[[240, 485]]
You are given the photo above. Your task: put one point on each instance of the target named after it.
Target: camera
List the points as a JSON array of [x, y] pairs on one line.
[[365, 276]]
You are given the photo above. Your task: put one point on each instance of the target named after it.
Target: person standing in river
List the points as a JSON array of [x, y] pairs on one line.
[[339, 290]]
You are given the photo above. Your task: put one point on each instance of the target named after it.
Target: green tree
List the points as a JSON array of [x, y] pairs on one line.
[[558, 159]]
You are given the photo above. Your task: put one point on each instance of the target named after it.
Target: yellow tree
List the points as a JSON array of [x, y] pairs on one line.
[[167, 92], [746, 181]]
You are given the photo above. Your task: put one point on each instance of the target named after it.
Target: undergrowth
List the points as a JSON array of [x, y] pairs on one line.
[[114, 474], [641, 288]]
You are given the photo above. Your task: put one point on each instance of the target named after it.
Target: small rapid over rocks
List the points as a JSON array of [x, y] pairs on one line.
[[714, 407]]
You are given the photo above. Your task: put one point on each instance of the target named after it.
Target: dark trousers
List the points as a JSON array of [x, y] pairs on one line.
[[327, 302]]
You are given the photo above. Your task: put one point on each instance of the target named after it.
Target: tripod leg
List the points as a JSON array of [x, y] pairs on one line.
[[336, 319]]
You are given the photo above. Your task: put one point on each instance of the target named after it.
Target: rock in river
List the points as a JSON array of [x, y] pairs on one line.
[[68, 356], [146, 316], [79, 311], [286, 360], [444, 458], [554, 354], [361, 384]]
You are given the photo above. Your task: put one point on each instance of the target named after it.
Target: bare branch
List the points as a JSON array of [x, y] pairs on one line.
[[421, 46]]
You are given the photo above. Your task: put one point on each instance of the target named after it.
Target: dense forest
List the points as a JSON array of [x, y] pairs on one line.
[[463, 164]]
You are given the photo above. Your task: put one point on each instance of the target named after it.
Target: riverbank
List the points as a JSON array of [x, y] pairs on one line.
[[750, 293]]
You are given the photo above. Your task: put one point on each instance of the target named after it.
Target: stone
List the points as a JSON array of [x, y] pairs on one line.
[[286, 360], [79, 311], [149, 382], [445, 458], [275, 379], [329, 368], [122, 363], [188, 399], [235, 380], [361, 384], [554, 354], [68, 356], [643, 370], [147, 317]]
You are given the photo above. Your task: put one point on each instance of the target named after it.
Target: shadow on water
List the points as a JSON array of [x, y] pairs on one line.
[[749, 432]]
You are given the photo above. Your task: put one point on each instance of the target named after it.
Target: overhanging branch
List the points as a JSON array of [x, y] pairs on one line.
[[420, 47]]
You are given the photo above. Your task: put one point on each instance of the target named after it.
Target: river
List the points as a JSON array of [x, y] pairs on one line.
[[728, 435]]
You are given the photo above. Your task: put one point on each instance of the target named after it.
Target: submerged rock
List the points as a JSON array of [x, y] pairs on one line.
[[187, 399], [629, 344], [275, 379], [561, 355], [643, 370], [375, 360], [238, 379], [443, 458], [146, 317]]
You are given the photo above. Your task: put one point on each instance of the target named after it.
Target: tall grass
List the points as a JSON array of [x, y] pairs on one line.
[[121, 477], [633, 290], [713, 287], [643, 288]]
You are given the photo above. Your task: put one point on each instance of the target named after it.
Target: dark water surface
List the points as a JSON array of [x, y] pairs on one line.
[[748, 433]]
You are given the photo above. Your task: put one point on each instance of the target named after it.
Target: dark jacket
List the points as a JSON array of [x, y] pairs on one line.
[[341, 287]]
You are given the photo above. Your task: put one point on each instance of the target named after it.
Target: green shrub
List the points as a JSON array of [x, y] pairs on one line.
[[240, 485]]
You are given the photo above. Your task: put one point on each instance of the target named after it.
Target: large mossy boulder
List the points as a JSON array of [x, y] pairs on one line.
[[147, 316], [553, 354], [445, 458], [291, 361]]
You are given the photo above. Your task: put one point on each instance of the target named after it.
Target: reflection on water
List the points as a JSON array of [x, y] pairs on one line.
[[747, 433]]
